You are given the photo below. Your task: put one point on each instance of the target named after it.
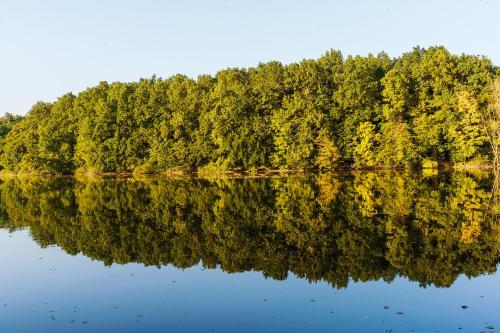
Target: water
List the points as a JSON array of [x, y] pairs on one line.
[[354, 252]]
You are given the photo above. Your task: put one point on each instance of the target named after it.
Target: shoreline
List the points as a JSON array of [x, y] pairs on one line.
[[245, 173]]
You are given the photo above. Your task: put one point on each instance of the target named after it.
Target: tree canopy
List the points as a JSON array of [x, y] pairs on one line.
[[422, 108]]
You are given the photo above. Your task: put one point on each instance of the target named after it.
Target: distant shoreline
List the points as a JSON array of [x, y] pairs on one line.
[[258, 173]]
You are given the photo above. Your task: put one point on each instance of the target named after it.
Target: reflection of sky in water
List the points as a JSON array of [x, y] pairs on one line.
[[133, 298]]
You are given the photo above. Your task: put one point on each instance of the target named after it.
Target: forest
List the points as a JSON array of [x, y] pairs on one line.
[[359, 226], [425, 109]]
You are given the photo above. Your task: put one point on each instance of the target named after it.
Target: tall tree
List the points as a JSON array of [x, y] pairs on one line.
[[491, 121]]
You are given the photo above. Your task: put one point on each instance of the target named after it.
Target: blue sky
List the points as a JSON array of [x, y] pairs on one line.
[[51, 47]]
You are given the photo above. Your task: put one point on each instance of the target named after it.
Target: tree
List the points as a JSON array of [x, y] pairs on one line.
[[21, 150], [491, 122], [176, 125], [57, 136], [296, 126], [303, 115], [367, 140], [328, 154], [467, 133], [231, 117], [358, 97], [427, 106], [396, 147], [6, 123]]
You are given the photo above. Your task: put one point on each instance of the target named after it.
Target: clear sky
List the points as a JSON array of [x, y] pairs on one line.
[[49, 47]]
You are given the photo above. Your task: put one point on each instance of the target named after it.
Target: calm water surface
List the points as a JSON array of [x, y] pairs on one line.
[[356, 252]]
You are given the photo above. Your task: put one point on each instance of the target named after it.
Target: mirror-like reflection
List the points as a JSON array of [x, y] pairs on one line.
[[328, 227]]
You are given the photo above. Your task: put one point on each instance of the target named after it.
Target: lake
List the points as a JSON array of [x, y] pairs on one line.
[[343, 252]]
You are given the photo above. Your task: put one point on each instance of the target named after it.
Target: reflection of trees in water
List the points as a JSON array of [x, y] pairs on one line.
[[359, 226]]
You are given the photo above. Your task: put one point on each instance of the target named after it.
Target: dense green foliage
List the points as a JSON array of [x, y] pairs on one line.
[[421, 108], [360, 226], [6, 124]]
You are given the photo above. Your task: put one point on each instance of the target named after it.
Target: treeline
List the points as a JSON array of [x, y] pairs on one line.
[[363, 226], [422, 108]]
